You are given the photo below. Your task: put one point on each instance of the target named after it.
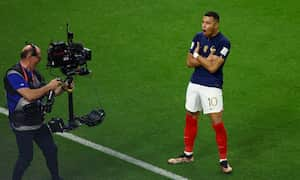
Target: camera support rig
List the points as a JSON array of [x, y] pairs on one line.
[[72, 123], [94, 118], [71, 58]]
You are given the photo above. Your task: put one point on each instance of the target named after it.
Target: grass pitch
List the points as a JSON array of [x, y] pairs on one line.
[[139, 77]]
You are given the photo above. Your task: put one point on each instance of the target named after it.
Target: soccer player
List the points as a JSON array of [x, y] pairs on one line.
[[207, 55]]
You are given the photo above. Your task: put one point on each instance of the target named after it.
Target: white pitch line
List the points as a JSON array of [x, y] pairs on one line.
[[114, 153], [3, 111], [122, 156]]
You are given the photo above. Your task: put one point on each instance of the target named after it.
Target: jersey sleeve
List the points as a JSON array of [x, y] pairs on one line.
[[194, 44], [223, 49], [17, 81]]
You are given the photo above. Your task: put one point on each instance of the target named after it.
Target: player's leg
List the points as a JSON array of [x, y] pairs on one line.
[[221, 135], [212, 100], [190, 131], [221, 140], [191, 127], [46, 143], [25, 146]]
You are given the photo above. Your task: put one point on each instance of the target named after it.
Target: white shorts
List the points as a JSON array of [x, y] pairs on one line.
[[203, 98]]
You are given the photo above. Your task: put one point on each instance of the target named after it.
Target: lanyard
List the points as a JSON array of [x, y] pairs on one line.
[[25, 74]]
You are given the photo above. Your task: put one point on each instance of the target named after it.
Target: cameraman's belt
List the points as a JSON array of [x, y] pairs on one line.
[[26, 128]]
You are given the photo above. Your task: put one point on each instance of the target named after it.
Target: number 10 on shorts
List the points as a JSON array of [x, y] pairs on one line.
[[213, 101]]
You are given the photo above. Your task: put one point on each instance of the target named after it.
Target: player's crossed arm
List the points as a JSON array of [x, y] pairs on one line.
[[212, 63], [191, 61]]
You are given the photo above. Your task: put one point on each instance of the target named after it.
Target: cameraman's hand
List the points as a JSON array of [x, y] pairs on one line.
[[69, 85], [54, 84], [65, 86]]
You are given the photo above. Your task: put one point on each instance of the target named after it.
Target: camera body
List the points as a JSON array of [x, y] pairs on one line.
[[71, 57], [60, 54]]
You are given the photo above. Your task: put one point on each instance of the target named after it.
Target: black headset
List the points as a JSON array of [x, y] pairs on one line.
[[33, 51]]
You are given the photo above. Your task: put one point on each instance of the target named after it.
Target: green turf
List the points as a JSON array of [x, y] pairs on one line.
[[139, 77]]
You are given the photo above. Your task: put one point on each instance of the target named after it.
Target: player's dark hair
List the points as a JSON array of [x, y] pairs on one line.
[[213, 14]]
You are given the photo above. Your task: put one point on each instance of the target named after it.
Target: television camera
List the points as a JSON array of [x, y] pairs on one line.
[[72, 59]]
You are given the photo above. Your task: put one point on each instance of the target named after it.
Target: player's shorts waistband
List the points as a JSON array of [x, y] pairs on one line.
[[204, 86]]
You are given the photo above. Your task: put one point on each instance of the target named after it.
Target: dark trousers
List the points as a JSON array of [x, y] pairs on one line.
[[43, 138]]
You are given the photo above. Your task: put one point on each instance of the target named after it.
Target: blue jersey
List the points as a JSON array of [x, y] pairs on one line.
[[17, 80], [221, 45], [23, 115]]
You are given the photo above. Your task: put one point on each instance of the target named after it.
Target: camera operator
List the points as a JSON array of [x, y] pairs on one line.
[[25, 88]]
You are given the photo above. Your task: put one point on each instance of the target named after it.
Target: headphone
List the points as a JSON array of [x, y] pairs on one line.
[[33, 51]]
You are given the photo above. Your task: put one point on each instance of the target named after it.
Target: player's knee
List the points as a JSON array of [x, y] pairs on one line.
[[216, 120], [216, 117], [194, 114]]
